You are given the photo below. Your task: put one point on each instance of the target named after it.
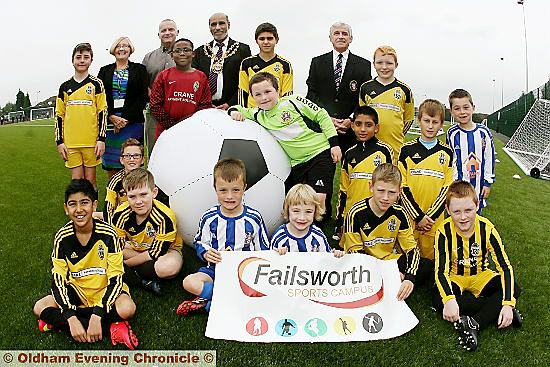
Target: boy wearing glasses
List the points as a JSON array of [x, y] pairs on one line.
[[81, 118], [359, 162], [131, 157], [180, 91]]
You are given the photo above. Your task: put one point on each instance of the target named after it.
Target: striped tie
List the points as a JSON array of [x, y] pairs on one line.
[[213, 77], [338, 71]]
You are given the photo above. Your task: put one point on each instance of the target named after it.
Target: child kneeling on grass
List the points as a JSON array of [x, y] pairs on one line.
[[229, 226], [304, 130], [88, 296], [469, 294], [301, 207]]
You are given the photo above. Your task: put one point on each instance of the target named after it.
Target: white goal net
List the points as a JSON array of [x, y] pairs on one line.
[[529, 147], [42, 113]]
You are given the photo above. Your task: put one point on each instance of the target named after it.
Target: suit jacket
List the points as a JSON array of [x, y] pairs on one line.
[[231, 66], [340, 104], [137, 94]]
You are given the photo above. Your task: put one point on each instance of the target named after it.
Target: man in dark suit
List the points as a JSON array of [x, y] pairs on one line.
[[326, 71], [333, 83], [220, 60]]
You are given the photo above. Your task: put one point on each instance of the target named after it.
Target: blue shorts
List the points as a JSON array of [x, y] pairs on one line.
[[208, 270]]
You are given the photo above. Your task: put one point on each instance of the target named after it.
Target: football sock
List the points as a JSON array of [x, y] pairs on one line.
[[207, 290], [52, 315], [131, 277], [147, 270]]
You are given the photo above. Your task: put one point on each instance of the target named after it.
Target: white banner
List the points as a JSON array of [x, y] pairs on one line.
[[262, 296]]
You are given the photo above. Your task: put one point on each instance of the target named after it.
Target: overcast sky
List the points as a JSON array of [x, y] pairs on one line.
[[441, 45]]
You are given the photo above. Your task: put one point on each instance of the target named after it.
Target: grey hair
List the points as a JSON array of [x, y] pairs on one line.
[[341, 25]]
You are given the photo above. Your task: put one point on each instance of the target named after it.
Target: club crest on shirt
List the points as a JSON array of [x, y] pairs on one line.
[[248, 237], [353, 85], [397, 94], [89, 89], [196, 86], [392, 225], [285, 116], [100, 251], [377, 160], [474, 249], [150, 231], [277, 67], [441, 158]]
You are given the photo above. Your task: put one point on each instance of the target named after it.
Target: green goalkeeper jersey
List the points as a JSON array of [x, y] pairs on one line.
[[302, 128]]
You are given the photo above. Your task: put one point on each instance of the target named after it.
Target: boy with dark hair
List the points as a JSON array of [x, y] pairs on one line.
[[131, 157], [377, 227], [229, 226], [468, 292], [426, 167], [152, 249], [304, 131], [266, 60], [392, 99], [180, 91], [88, 296], [359, 162], [472, 145], [81, 118]]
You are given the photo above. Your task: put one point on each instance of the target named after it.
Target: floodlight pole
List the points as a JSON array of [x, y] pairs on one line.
[[493, 93], [502, 84], [522, 3]]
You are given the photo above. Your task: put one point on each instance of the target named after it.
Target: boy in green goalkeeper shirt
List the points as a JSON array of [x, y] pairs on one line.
[[303, 129]]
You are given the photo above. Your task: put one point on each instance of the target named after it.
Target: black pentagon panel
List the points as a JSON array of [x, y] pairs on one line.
[[250, 153]]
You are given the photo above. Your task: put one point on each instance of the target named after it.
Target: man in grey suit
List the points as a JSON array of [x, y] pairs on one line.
[[333, 83], [349, 71]]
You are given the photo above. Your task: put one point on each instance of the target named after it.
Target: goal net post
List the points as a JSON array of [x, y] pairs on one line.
[[529, 146]]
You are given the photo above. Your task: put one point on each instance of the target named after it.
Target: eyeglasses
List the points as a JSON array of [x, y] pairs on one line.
[[118, 47], [132, 156], [181, 51]]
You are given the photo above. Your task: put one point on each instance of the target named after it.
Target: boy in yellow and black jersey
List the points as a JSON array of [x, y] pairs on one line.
[[468, 292], [391, 98], [152, 249], [376, 227], [426, 168], [81, 118], [131, 157], [88, 295], [266, 60], [359, 162]]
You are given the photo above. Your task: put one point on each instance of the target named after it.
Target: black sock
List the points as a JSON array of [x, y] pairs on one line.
[[52, 315], [131, 277], [147, 270]]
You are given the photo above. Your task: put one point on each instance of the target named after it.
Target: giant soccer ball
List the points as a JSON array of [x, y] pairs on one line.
[[183, 160]]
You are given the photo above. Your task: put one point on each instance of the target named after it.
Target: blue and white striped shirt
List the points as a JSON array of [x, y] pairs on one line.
[[474, 156], [314, 241], [247, 232]]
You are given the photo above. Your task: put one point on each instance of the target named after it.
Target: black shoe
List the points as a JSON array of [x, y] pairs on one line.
[[336, 233], [517, 319], [152, 286], [468, 330]]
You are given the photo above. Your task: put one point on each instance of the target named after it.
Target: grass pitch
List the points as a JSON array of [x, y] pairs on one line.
[[31, 199]]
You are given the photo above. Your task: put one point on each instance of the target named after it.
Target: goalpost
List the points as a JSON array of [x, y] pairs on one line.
[[529, 147], [42, 113]]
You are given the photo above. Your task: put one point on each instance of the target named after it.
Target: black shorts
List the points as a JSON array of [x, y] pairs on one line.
[[318, 173]]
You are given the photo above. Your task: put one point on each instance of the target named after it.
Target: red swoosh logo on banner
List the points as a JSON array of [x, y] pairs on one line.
[[368, 301], [247, 290]]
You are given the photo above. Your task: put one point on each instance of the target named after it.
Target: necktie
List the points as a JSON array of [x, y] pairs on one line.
[[213, 76], [338, 71]]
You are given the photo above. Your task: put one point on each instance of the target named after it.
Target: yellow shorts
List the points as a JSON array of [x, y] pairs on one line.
[[81, 157], [473, 283]]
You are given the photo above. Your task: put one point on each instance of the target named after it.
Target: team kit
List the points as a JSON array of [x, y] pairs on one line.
[[418, 202]]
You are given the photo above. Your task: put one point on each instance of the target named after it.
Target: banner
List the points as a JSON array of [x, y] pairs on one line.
[[262, 296]]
